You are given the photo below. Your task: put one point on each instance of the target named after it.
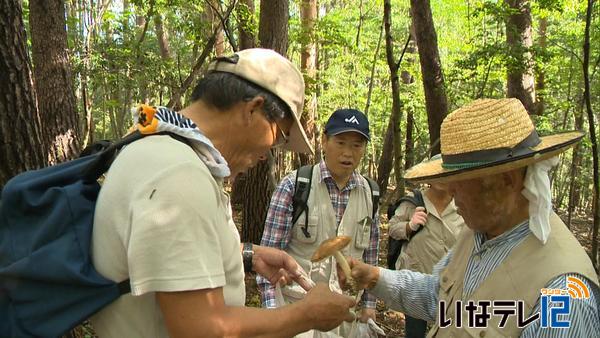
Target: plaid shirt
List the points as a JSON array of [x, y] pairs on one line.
[[278, 234]]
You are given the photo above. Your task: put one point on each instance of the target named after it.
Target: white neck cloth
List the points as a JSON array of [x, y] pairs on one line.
[[538, 191]]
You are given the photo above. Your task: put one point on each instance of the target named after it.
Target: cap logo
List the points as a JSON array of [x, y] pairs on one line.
[[352, 119]]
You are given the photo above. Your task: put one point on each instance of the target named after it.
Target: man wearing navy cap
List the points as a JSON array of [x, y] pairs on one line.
[[339, 203]]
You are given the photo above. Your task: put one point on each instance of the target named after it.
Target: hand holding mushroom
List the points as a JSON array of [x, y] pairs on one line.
[[364, 276], [333, 247]]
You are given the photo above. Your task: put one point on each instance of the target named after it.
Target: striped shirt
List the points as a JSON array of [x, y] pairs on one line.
[[278, 224], [416, 294]]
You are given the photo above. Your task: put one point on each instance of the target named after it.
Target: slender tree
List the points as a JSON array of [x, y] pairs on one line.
[[308, 66], [259, 182], [392, 146], [540, 83], [592, 129], [162, 36], [53, 79], [436, 101], [20, 127], [211, 15], [245, 14], [520, 79], [372, 151], [273, 26], [408, 79], [246, 22]]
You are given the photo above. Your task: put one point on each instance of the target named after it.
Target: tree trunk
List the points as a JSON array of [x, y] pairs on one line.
[[592, 129], [20, 126], [273, 27], [54, 80], [258, 183], [576, 161], [308, 66], [408, 79], [175, 101], [431, 69], [394, 141], [520, 79], [386, 160], [540, 84], [163, 37], [372, 173], [210, 15], [246, 22], [245, 15]]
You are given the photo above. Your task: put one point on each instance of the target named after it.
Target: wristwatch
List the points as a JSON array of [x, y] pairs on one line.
[[247, 254]]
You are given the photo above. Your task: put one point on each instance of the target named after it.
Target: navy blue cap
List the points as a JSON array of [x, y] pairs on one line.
[[343, 120]]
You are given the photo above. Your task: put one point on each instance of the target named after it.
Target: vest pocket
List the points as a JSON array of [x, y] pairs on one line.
[[363, 233], [407, 261], [301, 232]]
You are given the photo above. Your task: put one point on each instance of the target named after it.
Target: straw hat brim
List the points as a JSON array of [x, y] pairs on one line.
[[550, 146]]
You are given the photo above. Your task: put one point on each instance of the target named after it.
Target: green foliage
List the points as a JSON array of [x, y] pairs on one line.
[[120, 68]]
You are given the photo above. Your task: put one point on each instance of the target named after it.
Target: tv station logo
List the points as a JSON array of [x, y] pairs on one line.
[[555, 307]]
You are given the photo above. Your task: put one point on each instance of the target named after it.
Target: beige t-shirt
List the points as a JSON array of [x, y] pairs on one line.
[[163, 221]]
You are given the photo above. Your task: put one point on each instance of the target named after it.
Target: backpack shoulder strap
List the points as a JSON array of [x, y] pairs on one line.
[[374, 187], [106, 152], [416, 199], [301, 193]]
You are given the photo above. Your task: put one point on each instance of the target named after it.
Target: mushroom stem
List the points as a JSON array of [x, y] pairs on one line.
[[343, 264]]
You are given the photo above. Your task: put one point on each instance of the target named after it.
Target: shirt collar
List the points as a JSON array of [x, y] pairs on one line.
[[173, 122], [517, 233], [353, 182]]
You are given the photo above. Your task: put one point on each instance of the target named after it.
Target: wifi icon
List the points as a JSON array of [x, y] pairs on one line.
[[576, 288]]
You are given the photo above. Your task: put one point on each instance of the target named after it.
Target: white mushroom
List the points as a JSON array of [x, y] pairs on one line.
[[332, 247]]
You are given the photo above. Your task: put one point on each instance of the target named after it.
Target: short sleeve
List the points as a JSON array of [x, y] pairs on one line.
[[174, 243]]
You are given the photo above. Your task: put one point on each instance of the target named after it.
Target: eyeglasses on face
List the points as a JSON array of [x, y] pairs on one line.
[[281, 138]]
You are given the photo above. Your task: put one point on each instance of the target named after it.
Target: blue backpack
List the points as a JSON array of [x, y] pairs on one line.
[[48, 284]]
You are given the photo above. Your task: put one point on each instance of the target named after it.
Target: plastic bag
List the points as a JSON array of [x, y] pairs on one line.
[[280, 301], [357, 330], [369, 330]]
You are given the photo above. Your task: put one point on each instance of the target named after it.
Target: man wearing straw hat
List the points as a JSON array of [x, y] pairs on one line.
[[515, 252]]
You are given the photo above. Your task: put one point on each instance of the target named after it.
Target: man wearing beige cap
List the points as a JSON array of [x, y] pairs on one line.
[[163, 220], [517, 271]]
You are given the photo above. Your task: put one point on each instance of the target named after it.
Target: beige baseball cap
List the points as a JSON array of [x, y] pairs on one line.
[[275, 73]]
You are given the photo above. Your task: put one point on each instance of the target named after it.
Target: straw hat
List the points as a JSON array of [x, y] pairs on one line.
[[488, 137]]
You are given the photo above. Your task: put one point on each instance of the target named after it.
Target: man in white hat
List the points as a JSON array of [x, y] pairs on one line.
[[516, 251], [163, 220]]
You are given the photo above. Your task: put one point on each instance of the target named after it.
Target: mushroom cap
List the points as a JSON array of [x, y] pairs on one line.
[[329, 247]]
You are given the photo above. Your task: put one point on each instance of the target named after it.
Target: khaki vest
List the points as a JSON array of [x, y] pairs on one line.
[[527, 269], [322, 224], [433, 241]]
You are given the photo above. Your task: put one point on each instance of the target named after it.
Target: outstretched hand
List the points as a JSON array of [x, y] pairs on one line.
[[279, 267], [326, 309], [365, 276]]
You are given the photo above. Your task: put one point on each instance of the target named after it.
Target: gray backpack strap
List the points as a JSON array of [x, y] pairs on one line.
[[374, 195], [301, 193]]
